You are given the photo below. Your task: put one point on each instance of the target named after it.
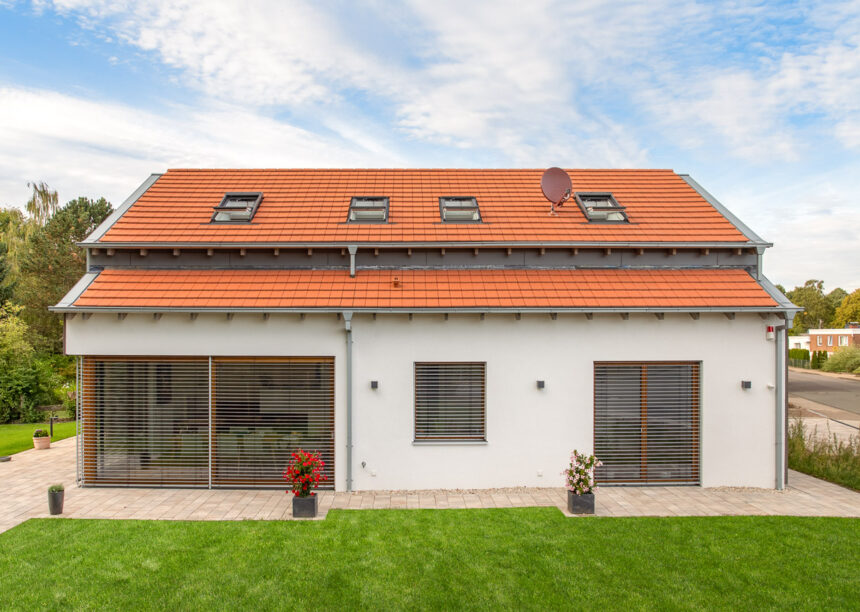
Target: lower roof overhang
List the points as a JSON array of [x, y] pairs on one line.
[[425, 291]]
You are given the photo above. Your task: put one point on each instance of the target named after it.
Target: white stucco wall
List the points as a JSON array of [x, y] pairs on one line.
[[529, 431]]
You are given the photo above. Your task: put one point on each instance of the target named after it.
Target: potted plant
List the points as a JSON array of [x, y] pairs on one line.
[[579, 478], [41, 439], [55, 499], [304, 474]]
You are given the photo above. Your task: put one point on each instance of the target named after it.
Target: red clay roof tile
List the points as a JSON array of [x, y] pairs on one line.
[[424, 289], [311, 206]]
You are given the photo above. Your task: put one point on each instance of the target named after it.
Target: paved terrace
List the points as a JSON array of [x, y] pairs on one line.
[[24, 482]]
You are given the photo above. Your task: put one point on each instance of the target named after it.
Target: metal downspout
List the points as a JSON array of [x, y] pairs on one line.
[[347, 318], [352, 251], [781, 330]]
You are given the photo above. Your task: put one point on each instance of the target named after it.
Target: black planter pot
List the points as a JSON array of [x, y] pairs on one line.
[[580, 504], [305, 507], [55, 502]]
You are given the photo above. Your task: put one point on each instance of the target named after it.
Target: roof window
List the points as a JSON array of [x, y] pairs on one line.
[[601, 207], [237, 207], [459, 209], [368, 210]]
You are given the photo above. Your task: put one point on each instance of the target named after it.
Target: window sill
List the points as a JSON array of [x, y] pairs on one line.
[[449, 442]]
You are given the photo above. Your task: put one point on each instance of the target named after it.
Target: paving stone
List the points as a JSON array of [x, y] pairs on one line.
[[25, 479]]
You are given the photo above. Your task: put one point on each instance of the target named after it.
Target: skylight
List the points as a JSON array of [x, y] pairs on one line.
[[459, 210], [237, 207], [368, 210], [601, 207]]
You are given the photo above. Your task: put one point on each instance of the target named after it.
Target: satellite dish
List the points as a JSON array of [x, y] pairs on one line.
[[556, 186]]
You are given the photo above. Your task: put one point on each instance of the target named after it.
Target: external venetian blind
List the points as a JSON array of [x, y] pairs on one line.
[[264, 410], [143, 422], [646, 422], [450, 401]]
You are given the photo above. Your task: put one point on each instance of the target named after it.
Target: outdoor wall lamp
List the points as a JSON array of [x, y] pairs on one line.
[[374, 384], [541, 384]]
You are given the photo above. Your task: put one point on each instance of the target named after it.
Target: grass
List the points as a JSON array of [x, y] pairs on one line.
[[824, 457], [18, 437], [532, 558]]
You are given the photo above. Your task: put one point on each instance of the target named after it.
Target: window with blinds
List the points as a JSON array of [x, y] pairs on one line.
[[144, 422], [263, 411], [646, 422], [450, 401], [176, 422]]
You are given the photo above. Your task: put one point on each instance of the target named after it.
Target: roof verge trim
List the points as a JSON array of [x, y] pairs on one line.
[[115, 216], [740, 225]]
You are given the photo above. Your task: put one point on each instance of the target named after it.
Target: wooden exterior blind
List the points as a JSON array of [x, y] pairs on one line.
[[201, 422], [646, 422], [450, 401], [144, 422], [264, 410]]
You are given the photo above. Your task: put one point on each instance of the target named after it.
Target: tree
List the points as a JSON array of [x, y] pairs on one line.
[[26, 380], [835, 298], [50, 265], [42, 204], [817, 309], [848, 311], [13, 235]]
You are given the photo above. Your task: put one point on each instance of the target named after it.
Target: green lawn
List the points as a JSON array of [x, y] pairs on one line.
[[15, 438], [434, 559]]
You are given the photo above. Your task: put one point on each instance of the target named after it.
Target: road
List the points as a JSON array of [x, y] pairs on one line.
[[836, 392]]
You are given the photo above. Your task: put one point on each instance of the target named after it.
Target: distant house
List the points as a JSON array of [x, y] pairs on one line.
[[799, 342], [424, 329], [831, 340]]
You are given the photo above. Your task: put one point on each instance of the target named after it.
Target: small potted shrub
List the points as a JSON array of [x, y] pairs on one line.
[[304, 475], [579, 477], [55, 499], [41, 439]]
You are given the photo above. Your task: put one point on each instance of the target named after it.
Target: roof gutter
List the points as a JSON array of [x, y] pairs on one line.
[[439, 310], [620, 244]]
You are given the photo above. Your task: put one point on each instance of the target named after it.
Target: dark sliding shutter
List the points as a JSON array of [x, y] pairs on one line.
[[144, 422], [264, 410], [450, 401], [646, 422]]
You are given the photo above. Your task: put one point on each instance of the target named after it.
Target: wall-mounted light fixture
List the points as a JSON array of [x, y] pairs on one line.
[[374, 384], [746, 384], [541, 384]]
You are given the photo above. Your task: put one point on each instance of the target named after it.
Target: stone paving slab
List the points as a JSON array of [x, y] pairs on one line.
[[24, 482]]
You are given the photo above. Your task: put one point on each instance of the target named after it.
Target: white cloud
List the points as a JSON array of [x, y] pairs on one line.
[[82, 147]]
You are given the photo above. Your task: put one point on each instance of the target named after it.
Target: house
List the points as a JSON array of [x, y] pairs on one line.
[[426, 329], [799, 342], [831, 340]]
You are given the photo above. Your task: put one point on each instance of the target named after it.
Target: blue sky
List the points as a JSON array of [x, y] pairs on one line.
[[759, 101]]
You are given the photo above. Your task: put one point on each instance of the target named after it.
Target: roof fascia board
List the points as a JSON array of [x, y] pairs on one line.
[[778, 295], [75, 292], [740, 225], [490, 310], [112, 218], [427, 245]]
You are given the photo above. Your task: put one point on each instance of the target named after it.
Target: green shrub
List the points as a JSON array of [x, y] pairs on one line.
[[845, 359], [56, 488], [827, 458], [802, 354], [27, 380], [818, 359], [40, 433]]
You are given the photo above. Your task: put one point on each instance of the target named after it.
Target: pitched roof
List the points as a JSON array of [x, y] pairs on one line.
[[420, 289], [310, 206]]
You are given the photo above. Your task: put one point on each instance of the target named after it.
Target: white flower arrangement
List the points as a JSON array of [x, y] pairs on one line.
[[579, 475]]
